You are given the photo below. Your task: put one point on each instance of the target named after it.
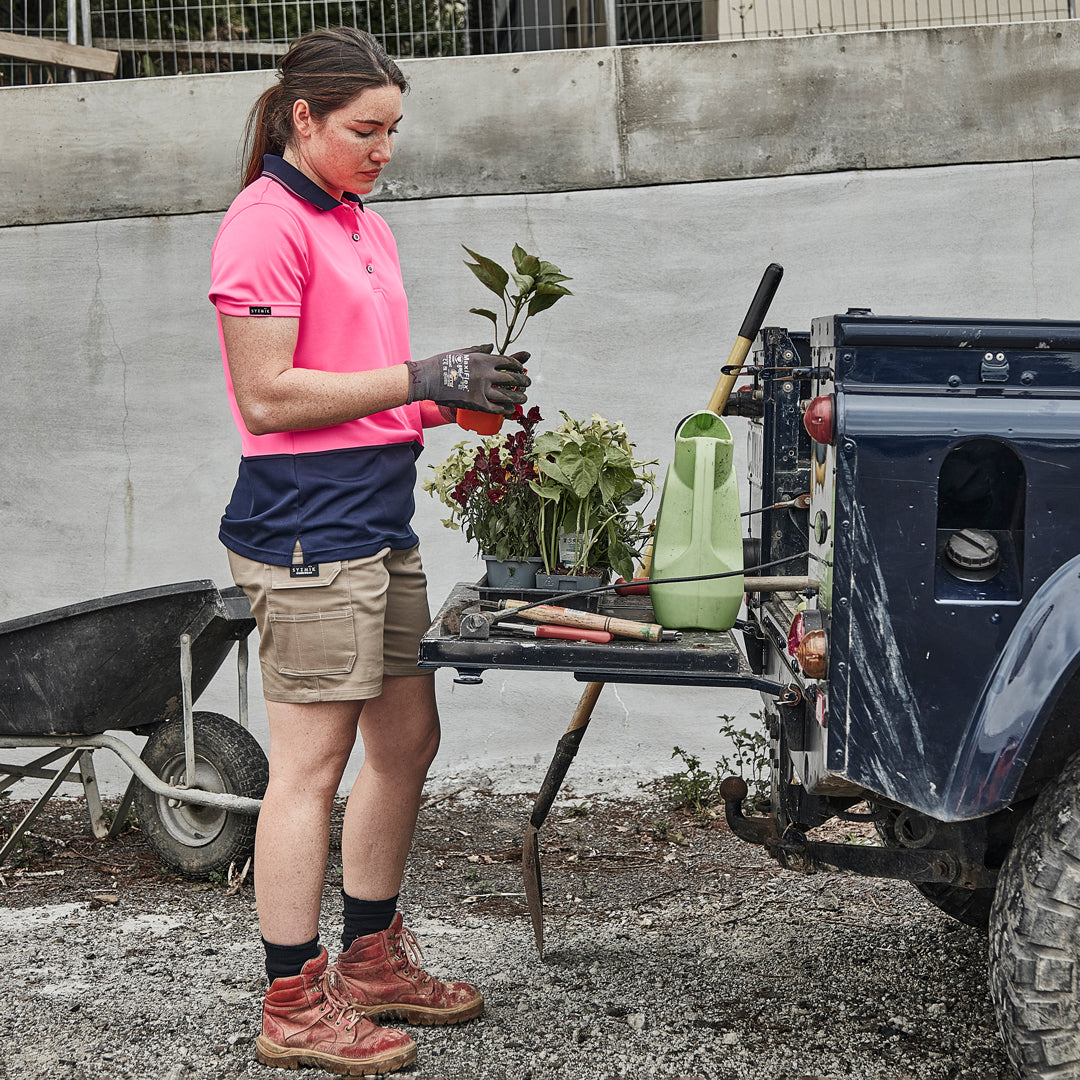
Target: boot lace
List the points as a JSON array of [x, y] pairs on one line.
[[336, 1003], [408, 955]]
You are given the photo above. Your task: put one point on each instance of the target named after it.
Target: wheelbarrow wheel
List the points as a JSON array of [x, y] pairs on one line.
[[199, 840]]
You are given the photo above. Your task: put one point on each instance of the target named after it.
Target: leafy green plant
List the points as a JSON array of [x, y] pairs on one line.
[[695, 788], [588, 478], [538, 284], [480, 884], [698, 789], [751, 757]]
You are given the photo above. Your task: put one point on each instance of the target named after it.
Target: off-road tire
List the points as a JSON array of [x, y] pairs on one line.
[[200, 840], [1035, 936]]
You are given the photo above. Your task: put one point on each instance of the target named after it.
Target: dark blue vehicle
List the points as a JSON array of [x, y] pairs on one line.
[[931, 678]]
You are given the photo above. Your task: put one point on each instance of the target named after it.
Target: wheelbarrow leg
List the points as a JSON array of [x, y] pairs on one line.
[[530, 844], [93, 795], [31, 815]]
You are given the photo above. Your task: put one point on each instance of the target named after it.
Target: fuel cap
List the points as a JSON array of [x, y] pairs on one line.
[[973, 553]]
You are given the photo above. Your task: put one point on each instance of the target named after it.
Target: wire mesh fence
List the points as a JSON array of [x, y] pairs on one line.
[[167, 38]]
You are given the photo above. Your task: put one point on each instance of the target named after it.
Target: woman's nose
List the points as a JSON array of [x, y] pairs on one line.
[[383, 148]]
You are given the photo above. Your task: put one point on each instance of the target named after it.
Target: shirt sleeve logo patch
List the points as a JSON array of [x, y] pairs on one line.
[[258, 311]]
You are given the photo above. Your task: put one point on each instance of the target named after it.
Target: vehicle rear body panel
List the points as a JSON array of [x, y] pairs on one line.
[[940, 426]]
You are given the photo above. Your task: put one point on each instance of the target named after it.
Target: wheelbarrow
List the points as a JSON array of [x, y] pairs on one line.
[[137, 662]]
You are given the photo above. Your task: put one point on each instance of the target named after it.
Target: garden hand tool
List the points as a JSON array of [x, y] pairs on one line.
[[563, 633], [625, 628], [530, 845]]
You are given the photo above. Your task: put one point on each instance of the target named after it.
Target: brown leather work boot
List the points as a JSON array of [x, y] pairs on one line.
[[383, 977], [308, 1020]]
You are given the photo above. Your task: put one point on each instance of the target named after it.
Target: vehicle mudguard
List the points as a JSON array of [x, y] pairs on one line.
[[1040, 657]]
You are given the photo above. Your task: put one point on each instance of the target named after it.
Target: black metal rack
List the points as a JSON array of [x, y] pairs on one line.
[[699, 658]]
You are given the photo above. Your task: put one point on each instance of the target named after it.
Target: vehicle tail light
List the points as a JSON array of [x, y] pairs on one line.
[[808, 643], [819, 419], [813, 654], [795, 634]]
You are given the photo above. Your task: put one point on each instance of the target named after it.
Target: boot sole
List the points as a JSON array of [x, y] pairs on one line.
[[422, 1015], [283, 1058]]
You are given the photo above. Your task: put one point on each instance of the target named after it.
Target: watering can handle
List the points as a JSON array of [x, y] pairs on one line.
[[755, 316]]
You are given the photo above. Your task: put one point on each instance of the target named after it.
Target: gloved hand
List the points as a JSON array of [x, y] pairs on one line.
[[470, 379]]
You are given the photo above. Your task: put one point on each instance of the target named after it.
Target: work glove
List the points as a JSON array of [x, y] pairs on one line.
[[470, 379]]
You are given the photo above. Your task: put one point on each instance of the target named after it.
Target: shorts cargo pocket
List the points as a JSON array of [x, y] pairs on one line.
[[311, 623]]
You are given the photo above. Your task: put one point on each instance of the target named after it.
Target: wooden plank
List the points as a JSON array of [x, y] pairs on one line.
[[197, 47], [46, 51]]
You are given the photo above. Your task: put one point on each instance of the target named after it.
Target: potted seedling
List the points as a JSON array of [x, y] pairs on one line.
[[532, 286]]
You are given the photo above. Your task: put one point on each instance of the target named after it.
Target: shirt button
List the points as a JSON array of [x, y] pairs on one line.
[[370, 268], [356, 236]]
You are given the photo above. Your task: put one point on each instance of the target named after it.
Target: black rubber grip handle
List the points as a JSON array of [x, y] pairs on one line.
[[755, 315]]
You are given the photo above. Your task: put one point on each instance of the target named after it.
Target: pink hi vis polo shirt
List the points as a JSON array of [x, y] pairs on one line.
[[288, 249]]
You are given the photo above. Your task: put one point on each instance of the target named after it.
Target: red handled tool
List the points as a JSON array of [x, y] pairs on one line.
[[565, 633]]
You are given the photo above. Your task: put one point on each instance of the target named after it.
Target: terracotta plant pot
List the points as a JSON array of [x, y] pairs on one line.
[[483, 423]]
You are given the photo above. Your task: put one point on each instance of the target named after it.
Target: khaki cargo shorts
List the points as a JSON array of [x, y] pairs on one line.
[[332, 635]]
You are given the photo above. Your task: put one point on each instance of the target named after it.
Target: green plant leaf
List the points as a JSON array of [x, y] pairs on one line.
[[551, 288], [486, 314], [525, 283], [553, 470], [582, 467], [551, 273], [526, 263], [488, 272], [541, 302]]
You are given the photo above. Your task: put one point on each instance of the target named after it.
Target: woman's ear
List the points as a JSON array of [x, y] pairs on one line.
[[302, 118]]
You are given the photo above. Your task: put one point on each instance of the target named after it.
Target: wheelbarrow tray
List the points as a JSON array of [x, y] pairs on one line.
[[113, 663]]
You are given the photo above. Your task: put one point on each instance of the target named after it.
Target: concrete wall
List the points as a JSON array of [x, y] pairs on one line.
[[117, 445], [578, 120]]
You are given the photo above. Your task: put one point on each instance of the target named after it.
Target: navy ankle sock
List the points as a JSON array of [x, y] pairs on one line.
[[285, 960], [364, 917]]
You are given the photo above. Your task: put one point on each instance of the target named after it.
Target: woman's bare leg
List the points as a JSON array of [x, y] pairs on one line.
[[400, 730], [309, 748]]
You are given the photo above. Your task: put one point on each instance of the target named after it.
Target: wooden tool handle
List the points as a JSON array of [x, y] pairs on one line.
[[626, 628], [755, 316], [583, 712]]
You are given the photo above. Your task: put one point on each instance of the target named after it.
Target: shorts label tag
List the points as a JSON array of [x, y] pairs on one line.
[[310, 569]]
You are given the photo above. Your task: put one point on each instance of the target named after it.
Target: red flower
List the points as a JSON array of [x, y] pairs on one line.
[[495, 494]]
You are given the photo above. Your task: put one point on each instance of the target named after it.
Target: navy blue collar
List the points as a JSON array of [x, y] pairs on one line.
[[291, 178]]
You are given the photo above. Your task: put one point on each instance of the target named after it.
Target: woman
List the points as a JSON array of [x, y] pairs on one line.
[[330, 408]]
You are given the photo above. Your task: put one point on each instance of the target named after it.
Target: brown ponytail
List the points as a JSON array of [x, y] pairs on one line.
[[327, 69]]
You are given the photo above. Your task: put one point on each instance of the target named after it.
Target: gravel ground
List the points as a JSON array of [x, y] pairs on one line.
[[672, 950]]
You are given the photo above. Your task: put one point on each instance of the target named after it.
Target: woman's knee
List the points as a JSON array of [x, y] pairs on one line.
[[406, 754]]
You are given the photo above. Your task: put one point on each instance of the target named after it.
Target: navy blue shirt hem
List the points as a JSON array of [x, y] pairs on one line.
[[277, 558]]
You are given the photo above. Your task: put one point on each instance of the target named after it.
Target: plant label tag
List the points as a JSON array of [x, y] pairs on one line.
[[573, 546]]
